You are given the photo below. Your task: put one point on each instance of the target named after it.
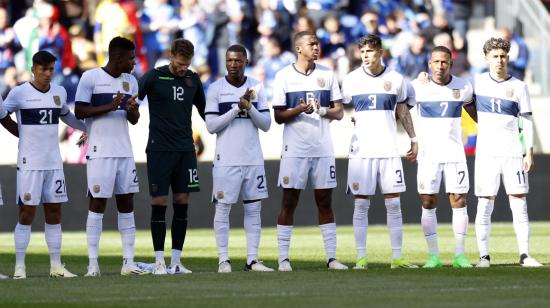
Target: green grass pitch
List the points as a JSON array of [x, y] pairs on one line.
[[310, 285]]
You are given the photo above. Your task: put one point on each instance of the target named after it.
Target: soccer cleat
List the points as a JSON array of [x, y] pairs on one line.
[[177, 269], [93, 271], [433, 262], [159, 268], [59, 271], [129, 269], [361, 264], [527, 261], [20, 272], [402, 263], [2, 276], [284, 266], [461, 261], [484, 261], [224, 267], [257, 266], [334, 264]]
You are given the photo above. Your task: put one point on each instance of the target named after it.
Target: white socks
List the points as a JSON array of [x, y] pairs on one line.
[[360, 226], [284, 233], [329, 238], [21, 236], [176, 257], [94, 227], [395, 225], [53, 235], [252, 228], [127, 229], [483, 224], [521, 223], [429, 225], [460, 229], [221, 229]]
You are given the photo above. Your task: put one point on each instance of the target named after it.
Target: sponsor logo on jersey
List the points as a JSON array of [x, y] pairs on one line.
[[321, 82], [125, 86], [387, 85], [421, 185], [219, 195], [57, 100], [27, 197], [165, 78], [510, 92], [355, 186], [97, 189], [285, 180], [456, 93]]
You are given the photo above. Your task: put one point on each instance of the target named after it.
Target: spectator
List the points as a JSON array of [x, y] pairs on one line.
[[7, 36], [414, 60], [519, 53]]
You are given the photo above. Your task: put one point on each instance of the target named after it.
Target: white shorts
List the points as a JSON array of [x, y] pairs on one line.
[[455, 177], [232, 181], [363, 173], [294, 172], [35, 187], [488, 170], [110, 175]]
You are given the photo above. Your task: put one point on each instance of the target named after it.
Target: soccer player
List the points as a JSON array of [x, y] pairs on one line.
[[105, 97], [377, 94], [40, 180], [502, 100], [441, 152], [306, 99], [236, 108], [171, 91]]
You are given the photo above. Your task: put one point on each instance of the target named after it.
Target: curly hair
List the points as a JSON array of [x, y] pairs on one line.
[[496, 43]]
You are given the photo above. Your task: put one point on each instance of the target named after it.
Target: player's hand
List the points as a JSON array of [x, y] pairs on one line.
[[353, 120], [412, 152], [305, 107], [244, 101], [528, 163], [131, 104], [423, 77], [116, 101], [321, 111], [82, 140]]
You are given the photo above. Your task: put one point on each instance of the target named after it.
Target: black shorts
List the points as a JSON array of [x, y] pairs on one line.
[[172, 169]]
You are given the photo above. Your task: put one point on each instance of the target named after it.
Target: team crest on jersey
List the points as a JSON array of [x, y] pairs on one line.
[[125, 86], [188, 82], [285, 180], [219, 195], [510, 92], [27, 197], [321, 82], [387, 85], [421, 186], [97, 189], [355, 186], [456, 93], [57, 100]]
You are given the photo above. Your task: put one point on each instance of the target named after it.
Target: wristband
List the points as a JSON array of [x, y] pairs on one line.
[[414, 140], [322, 111]]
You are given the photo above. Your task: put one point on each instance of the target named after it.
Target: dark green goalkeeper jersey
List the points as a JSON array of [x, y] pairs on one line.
[[171, 101]]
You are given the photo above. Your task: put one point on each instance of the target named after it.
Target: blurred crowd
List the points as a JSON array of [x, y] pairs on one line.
[[78, 32]]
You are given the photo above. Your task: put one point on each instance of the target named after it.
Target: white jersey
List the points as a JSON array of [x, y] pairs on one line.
[[498, 106], [238, 144], [308, 135], [374, 99], [108, 133], [37, 120], [3, 111], [439, 118]]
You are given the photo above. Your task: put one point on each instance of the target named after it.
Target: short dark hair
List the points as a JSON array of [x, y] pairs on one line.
[[183, 48], [370, 39], [496, 43], [120, 44], [441, 49], [237, 48], [43, 57], [298, 36]]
